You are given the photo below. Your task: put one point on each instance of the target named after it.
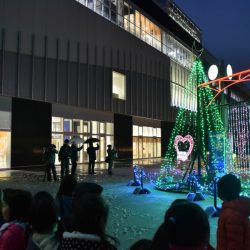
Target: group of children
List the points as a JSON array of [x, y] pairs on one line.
[[77, 218]]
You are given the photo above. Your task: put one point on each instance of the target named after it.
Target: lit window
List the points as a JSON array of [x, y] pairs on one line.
[[183, 93], [57, 124], [119, 85]]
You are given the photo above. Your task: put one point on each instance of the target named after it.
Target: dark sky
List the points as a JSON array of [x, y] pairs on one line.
[[225, 26]]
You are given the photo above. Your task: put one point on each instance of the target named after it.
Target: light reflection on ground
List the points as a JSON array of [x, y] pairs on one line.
[[132, 217]]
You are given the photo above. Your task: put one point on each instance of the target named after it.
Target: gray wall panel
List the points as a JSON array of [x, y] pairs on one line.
[[39, 78], [73, 88], [108, 89], [100, 87], [25, 76], [92, 85], [83, 87], [70, 23], [10, 74], [144, 96], [51, 81], [63, 82]]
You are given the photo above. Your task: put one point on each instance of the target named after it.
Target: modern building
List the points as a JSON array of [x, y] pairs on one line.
[[111, 69]]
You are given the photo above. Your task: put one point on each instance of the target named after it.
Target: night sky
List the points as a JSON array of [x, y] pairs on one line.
[[225, 26]]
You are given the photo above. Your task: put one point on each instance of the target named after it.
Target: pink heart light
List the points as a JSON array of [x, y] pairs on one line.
[[183, 155]]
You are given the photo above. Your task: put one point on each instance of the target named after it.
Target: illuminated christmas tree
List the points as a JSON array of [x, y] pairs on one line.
[[205, 126]]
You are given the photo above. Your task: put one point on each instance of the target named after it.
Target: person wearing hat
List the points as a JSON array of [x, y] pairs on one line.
[[64, 155], [110, 159]]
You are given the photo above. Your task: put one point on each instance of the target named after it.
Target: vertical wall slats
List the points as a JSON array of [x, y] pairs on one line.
[[32, 65], [68, 71], [18, 62], [147, 80], [45, 66], [87, 73], [2, 60]]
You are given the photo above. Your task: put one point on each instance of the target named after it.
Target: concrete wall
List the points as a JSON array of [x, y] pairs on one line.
[[59, 51]]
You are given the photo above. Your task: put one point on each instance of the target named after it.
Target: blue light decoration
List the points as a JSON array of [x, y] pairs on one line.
[[139, 174], [216, 152]]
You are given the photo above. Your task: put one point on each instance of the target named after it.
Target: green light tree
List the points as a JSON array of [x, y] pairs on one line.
[[199, 124]]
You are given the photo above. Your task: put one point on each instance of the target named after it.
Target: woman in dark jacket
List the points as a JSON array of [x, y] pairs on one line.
[[64, 195], [44, 220], [89, 222]]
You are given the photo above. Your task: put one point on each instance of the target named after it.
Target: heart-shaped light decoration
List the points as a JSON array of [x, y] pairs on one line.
[[183, 155]]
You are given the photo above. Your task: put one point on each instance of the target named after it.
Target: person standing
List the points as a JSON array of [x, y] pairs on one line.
[[74, 156], [91, 150], [64, 155], [111, 156], [50, 162]]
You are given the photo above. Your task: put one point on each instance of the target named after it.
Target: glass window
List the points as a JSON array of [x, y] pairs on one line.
[[83, 2], [137, 24], [119, 85], [5, 141], [132, 20], [120, 13], [57, 140], [67, 125], [113, 10], [143, 28], [140, 131], [106, 9], [182, 92], [91, 4], [109, 140], [158, 132], [109, 128], [99, 7], [95, 127], [126, 16], [145, 131], [57, 124], [77, 126], [102, 128], [158, 147], [135, 130], [154, 132], [5, 120], [86, 127], [135, 148]]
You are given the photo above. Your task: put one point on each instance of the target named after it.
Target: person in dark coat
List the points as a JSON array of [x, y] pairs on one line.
[[44, 221], [50, 161], [65, 194], [111, 156], [74, 156], [91, 150], [64, 155], [89, 220]]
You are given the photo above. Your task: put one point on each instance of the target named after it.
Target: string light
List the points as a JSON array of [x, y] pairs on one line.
[[206, 121]]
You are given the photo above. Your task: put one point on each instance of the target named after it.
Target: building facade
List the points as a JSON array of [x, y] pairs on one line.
[[110, 69]]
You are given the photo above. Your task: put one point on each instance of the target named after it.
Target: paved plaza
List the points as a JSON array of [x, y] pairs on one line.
[[132, 217]]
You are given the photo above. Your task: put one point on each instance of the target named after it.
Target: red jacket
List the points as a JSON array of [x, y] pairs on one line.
[[233, 226], [12, 236]]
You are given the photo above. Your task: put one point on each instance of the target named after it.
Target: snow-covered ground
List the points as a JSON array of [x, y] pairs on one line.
[[131, 217]]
